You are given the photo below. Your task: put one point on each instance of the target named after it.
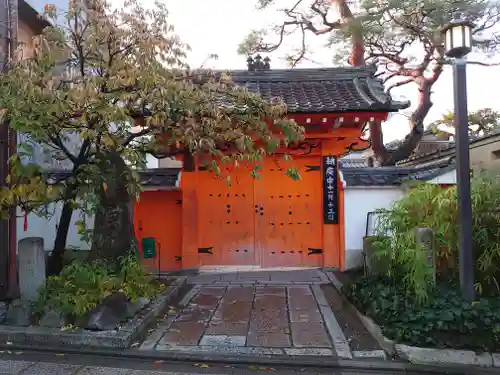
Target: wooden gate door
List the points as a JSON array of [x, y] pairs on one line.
[[158, 214], [226, 219], [288, 214]]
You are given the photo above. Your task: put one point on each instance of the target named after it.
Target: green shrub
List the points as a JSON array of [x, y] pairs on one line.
[[431, 206], [444, 320], [78, 289], [134, 281], [82, 286]]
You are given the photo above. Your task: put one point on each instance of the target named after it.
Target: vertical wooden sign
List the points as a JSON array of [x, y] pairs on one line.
[[330, 192]]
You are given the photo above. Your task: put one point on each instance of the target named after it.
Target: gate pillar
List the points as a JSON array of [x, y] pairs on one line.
[[189, 184], [333, 234]]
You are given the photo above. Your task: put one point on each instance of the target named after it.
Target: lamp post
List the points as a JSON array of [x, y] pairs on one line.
[[458, 43]]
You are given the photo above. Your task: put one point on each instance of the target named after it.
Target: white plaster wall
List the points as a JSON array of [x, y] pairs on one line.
[[358, 202], [446, 178], [46, 228], [169, 163]]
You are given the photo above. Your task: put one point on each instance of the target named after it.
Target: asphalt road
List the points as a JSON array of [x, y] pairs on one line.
[[26, 363]]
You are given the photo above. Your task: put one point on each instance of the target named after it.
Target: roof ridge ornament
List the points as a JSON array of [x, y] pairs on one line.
[[258, 64], [372, 65]]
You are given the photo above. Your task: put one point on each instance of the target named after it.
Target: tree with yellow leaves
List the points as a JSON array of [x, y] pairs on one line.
[[91, 78]]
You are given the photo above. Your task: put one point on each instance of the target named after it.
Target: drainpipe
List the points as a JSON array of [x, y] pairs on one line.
[[4, 152], [13, 289]]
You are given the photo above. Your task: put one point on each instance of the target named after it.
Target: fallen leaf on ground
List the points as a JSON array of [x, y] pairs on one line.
[[158, 362], [201, 365], [59, 355]]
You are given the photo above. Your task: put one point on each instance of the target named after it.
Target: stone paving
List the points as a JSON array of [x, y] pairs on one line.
[[248, 276], [261, 312]]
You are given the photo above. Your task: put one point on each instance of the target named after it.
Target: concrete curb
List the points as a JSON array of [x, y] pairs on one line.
[[374, 330], [120, 339], [340, 343], [422, 356], [428, 356]]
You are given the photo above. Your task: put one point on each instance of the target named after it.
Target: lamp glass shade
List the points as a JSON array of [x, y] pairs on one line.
[[458, 39]]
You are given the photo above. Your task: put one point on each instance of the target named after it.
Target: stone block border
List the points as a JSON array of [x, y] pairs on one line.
[[422, 356], [117, 339]]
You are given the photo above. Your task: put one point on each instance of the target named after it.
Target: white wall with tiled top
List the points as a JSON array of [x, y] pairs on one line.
[[358, 202]]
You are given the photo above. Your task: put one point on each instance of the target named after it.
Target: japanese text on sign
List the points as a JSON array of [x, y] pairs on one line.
[[330, 195]]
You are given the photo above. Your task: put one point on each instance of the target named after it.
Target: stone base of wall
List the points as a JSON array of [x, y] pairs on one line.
[[353, 259]]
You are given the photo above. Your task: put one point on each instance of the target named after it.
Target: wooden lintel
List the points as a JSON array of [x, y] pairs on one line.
[[335, 133]]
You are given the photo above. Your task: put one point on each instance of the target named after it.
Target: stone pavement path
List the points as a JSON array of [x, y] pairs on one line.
[[260, 312]]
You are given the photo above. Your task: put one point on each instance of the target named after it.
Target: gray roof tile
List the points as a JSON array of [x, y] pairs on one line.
[[394, 176], [325, 90], [164, 177]]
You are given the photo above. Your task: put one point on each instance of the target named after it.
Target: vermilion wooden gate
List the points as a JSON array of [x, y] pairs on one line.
[[158, 214], [270, 222], [225, 219], [288, 226]]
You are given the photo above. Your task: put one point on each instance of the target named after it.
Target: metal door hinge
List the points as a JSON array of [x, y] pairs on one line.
[[314, 251], [310, 168], [205, 250]]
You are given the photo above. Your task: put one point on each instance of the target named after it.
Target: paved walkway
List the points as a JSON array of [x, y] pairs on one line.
[[260, 312], [248, 276]]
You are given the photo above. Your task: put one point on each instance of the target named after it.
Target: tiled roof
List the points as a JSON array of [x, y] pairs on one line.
[[354, 163], [156, 177], [325, 90], [446, 151], [393, 176], [31, 17]]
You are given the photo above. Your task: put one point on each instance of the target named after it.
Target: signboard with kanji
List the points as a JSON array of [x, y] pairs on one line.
[[330, 192]]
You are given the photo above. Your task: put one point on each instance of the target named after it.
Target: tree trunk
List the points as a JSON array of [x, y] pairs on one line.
[[357, 57], [56, 260], [382, 156], [113, 234]]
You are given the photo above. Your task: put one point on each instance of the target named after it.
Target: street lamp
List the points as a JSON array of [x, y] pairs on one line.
[[458, 43]]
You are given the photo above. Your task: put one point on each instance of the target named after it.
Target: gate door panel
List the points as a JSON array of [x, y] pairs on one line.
[[226, 219], [158, 215], [288, 224]]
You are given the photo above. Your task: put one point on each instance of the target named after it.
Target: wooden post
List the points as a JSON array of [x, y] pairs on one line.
[[189, 188], [331, 237]]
